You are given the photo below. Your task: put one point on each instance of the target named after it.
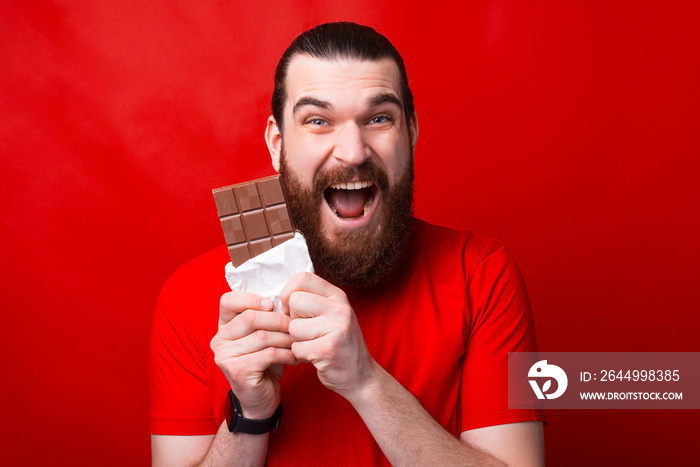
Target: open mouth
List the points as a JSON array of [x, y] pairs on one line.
[[350, 200]]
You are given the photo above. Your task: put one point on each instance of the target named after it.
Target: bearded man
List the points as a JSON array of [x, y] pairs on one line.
[[395, 351]]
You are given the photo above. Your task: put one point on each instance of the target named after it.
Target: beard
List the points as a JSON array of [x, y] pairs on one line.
[[356, 258]]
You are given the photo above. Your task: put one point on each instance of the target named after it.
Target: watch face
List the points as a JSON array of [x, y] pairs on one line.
[[228, 410]]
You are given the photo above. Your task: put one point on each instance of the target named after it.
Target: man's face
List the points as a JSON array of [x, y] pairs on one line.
[[346, 157]]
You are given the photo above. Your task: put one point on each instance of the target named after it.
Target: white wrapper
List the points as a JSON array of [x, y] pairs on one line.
[[267, 273]]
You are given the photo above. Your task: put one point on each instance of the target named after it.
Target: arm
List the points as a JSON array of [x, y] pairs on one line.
[[251, 347], [325, 332], [408, 435], [222, 449], [179, 450]]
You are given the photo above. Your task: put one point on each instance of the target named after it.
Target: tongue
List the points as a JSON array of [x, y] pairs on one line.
[[348, 203]]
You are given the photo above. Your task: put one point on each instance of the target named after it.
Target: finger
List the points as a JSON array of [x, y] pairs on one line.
[[252, 320], [308, 305], [308, 351], [307, 282], [276, 356], [233, 303], [308, 328], [252, 365], [255, 342]]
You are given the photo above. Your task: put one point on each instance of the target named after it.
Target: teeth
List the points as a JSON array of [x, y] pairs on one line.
[[368, 204], [351, 185]]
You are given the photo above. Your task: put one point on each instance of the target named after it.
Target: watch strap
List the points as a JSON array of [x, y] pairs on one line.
[[239, 424]]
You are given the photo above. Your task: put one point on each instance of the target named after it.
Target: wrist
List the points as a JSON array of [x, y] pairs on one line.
[[258, 411], [370, 387], [263, 403], [238, 422], [258, 414]]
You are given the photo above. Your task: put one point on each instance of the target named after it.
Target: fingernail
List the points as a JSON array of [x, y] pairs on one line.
[[267, 304]]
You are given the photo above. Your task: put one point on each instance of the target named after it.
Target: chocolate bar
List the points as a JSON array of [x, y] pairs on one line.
[[254, 217]]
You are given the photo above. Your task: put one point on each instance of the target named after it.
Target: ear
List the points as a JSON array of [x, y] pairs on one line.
[[273, 138], [413, 130]]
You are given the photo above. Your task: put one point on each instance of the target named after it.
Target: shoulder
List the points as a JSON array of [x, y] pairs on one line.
[[445, 245], [193, 291], [204, 272]]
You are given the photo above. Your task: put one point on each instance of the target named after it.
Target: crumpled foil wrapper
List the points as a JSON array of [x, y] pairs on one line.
[[267, 273]]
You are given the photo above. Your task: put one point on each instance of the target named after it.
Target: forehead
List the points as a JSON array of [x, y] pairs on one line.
[[340, 79]]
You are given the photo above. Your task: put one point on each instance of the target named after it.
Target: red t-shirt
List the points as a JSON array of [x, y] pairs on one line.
[[442, 326]]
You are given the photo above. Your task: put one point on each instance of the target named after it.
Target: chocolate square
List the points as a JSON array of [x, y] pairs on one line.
[[279, 220], [260, 246], [248, 197], [233, 229], [255, 225], [225, 202], [271, 191]]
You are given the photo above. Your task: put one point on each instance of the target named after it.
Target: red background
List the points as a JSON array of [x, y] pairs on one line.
[[569, 130]]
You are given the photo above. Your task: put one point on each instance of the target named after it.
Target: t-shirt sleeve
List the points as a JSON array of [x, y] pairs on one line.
[[180, 402], [499, 321]]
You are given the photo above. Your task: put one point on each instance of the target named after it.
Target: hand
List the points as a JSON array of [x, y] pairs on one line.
[[251, 348], [324, 331]]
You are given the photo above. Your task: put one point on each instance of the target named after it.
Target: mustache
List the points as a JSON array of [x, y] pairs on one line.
[[368, 170]]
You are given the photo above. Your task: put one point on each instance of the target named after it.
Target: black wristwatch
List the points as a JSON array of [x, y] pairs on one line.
[[237, 424]]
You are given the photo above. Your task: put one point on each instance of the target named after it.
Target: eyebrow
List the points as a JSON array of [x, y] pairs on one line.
[[311, 101], [375, 101], [384, 98]]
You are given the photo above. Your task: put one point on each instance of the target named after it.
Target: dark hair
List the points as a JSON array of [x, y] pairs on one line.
[[345, 40]]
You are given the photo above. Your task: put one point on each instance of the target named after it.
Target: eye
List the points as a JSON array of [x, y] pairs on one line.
[[380, 119], [315, 121]]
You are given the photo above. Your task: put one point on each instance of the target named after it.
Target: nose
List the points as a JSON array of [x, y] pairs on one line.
[[350, 147]]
